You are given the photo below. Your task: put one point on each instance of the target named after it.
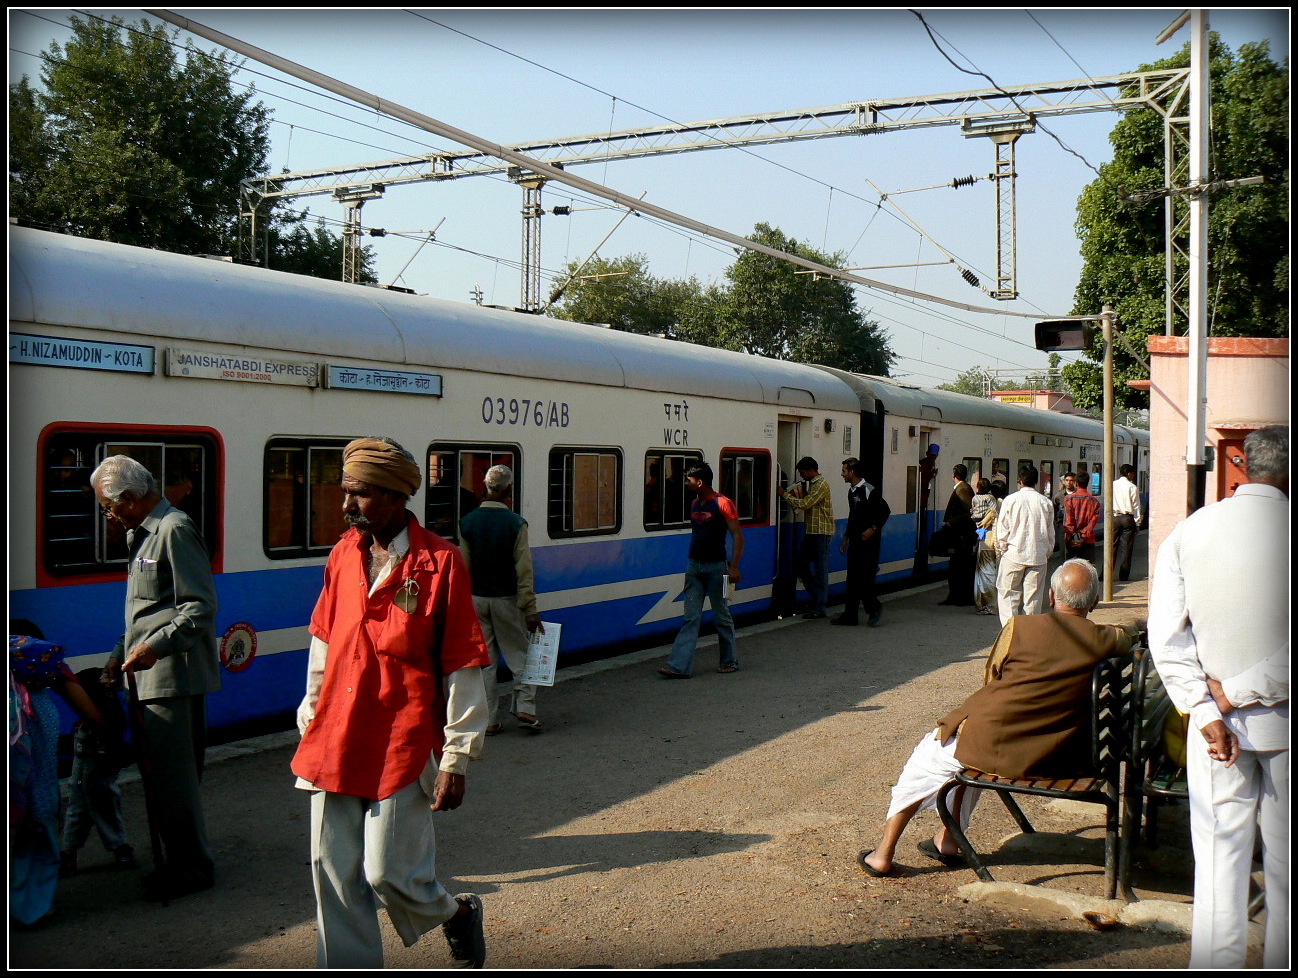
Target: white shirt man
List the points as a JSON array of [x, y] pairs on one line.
[[1219, 634], [1025, 535], [1126, 518]]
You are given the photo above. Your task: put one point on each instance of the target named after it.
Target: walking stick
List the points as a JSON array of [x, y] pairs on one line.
[[146, 780]]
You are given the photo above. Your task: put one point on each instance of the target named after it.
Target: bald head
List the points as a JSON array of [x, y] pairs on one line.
[[1075, 587]]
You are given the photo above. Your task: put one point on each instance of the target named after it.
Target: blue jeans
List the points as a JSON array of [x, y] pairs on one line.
[[814, 560], [703, 579]]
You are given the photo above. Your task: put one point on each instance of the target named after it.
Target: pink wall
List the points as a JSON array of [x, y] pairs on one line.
[[1248, 388]]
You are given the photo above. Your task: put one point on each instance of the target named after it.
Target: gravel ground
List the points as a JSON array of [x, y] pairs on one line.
[[712, 823]]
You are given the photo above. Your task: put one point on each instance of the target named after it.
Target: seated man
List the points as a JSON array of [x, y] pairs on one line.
[[1029, 720]]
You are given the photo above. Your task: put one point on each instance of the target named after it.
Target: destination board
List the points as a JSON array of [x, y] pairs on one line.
[[63, 351], [348, 378]]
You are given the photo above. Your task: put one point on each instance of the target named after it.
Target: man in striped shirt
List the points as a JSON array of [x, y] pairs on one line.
[[812, 498]]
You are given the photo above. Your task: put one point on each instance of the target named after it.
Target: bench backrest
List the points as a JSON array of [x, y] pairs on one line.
[[1114, 713]]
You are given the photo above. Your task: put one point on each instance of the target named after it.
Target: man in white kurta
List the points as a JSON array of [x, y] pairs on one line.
[[1219, 635], [1025, 534]]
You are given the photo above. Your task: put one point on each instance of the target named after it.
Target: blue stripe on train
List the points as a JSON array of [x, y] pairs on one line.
[[87, 618]]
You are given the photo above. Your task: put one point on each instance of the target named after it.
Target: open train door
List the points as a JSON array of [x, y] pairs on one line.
[[784, 585], [923, 491]]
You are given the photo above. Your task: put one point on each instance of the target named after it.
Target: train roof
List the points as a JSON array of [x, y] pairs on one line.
[[950, 407], [82, 283]]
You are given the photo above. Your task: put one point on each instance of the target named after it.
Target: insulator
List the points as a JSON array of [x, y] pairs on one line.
[[968, 181], [970, 277], [561, 210]]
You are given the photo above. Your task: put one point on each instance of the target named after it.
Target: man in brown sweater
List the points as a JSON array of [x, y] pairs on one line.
[[1029, 719]]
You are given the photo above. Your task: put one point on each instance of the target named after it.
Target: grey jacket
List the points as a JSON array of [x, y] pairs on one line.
[[171, 605]]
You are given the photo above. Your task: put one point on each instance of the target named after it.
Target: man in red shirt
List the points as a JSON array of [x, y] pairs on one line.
[[1081, 516], [707, 572], [395, 708]]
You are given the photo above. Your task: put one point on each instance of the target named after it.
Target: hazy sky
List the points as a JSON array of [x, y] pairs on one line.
[[513, 76]]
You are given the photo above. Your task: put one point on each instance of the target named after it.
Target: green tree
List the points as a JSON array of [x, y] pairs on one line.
[[774, 309], [765, 307], [1248, 231], [132, 138], [621, 293], [974, 382]]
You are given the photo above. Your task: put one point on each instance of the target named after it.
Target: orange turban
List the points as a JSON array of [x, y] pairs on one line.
[[381, 464]]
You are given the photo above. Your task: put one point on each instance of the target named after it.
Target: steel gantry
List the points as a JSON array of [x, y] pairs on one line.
[[1001, 114]]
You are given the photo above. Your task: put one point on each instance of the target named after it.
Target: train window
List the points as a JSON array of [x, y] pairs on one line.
[[585, 495], [666, 499], [75, 538], [973, 469], [746, 480], [303, 501], [1046, 481], [912, 488], [456, 485], [1000, 473]]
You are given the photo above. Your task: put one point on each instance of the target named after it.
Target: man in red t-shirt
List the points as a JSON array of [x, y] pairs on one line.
[[712, 516], [395, 709]]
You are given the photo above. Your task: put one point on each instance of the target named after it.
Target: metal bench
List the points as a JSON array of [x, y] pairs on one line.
[[1112, 701], [1152, 776]]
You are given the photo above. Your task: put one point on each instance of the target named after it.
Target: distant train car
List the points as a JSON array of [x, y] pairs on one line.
[[238, 387], [899, 422]]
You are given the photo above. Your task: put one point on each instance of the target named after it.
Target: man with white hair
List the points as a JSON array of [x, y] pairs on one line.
[[1219, 634], [493, 539], [169, 649], [1030, 719]]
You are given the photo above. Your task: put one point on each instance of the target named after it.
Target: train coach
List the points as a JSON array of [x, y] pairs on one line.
[[238, 387]]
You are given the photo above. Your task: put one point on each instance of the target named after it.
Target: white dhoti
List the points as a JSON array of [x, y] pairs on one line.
[[1227, 805], [931, 765]]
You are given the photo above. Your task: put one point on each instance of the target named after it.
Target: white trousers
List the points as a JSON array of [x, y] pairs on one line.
[[1020, 589], [366, 853], [1227, 806], [504, 628]]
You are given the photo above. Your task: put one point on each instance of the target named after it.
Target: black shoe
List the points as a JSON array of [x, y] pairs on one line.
[[123, 857], [874, 618], [844, 620], [464, 933]]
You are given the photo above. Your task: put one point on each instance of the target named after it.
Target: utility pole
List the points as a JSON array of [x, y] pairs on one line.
[[1106, 480], [1197, 394]]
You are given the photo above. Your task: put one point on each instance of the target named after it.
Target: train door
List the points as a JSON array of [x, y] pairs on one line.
[[784, 587], [923, 492]]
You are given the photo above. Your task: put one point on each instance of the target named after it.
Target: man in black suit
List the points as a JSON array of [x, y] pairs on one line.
[[867, 513]]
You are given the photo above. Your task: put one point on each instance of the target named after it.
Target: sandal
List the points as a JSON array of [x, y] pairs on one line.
[[929, 848], [727, 668], [870, 870], [528, 721], [672, 674]]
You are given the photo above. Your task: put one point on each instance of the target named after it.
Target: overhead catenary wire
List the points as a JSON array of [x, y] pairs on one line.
[[536, 166]]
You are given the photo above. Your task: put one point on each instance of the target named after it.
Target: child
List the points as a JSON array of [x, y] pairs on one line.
[[94, 798]]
